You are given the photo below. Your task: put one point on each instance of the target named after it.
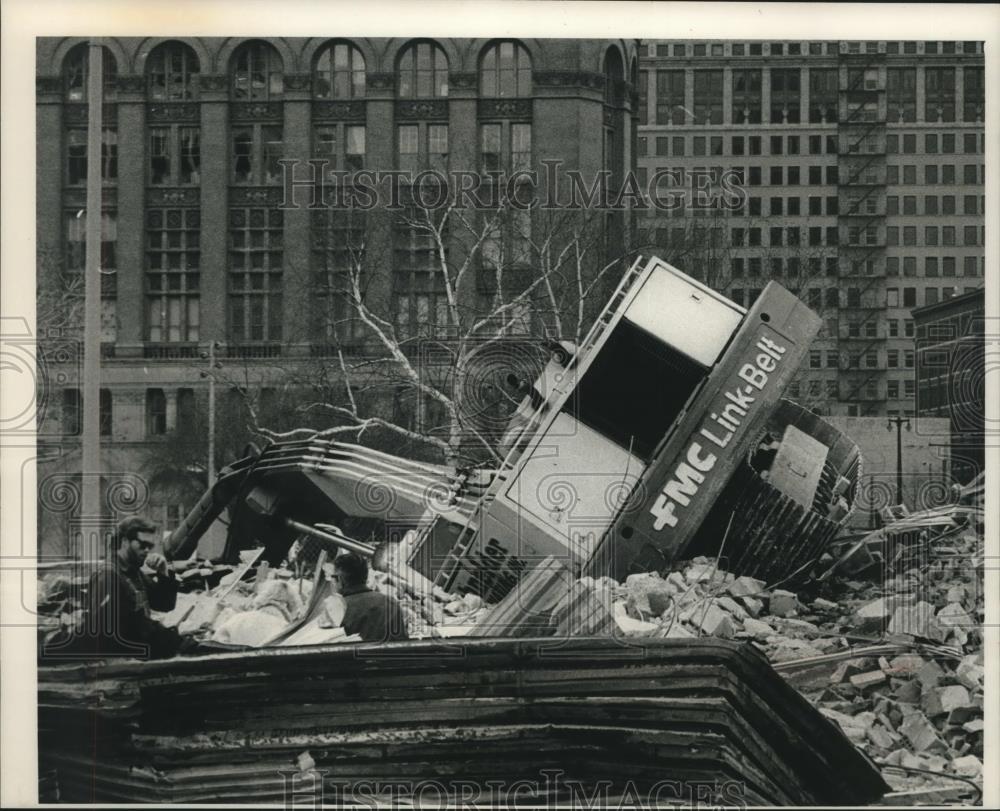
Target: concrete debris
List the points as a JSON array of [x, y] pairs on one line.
[[942, 700], [915, 700], [783, 604], [917, 620]]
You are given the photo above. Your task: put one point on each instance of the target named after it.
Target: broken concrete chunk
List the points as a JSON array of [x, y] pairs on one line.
[[916, 620], [752, 605], [660, 599], [906, 665], [967, 766], [970, 675], [974, 726], [852, 728], [954, 616], [879, 736], [788, 650], [819, 604], [941, 700], [930, 674], [868, 681], [757, 628], [732, 606], [713, 621], [782, 603], [746, 587], [871, 617], [921, 734]]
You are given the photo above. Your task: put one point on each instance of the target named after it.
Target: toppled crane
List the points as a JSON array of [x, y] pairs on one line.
[[629, 451]]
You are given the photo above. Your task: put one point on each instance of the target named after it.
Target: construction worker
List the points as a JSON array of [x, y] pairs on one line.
[[374, 616], [122, 592]]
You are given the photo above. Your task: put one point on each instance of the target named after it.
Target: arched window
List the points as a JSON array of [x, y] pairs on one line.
[[340, 72], [257, 73], [423, 71], [172, 72], [614, 76], [505, 71], [77, 67]]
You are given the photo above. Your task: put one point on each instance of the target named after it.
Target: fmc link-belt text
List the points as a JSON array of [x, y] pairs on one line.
[[718, 430]]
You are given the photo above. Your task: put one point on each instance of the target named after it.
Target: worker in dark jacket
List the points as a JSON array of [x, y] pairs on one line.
[[374, 616], [121, 595]]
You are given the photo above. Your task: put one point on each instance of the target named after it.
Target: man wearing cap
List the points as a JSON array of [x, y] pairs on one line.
[[124, 590]]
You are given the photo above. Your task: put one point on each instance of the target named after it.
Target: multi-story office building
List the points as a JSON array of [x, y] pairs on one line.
[[863, 169], [196, 247], [951, 375]]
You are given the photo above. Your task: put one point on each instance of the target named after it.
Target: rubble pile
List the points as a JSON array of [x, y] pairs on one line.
[[273, 606], [898, 665]]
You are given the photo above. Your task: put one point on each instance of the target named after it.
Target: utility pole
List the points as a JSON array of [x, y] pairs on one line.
[[898, 422], [211, 414], [210, 374], [90, 468]]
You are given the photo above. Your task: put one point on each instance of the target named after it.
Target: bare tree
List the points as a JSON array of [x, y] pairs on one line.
[[436, 357]]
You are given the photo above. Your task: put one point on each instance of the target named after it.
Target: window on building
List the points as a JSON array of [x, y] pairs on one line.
[[76, 69], [173, 280], [823, 94], [172, 73], [505, 71], [909, 297], [974, 94], [105, 416], [901, 95], [708, 96], [76, 240], [76, 156], [156, 412], [72, 412], [338, 240], [939, 94], [341, 146], [747, 96], [670, 103], [786, 94], [503, 146], [339, 72], [256, 150], [421, 305], [422, 71], [174, 156], [424, 147], [255, 274], [258, 73], [643, 98]]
